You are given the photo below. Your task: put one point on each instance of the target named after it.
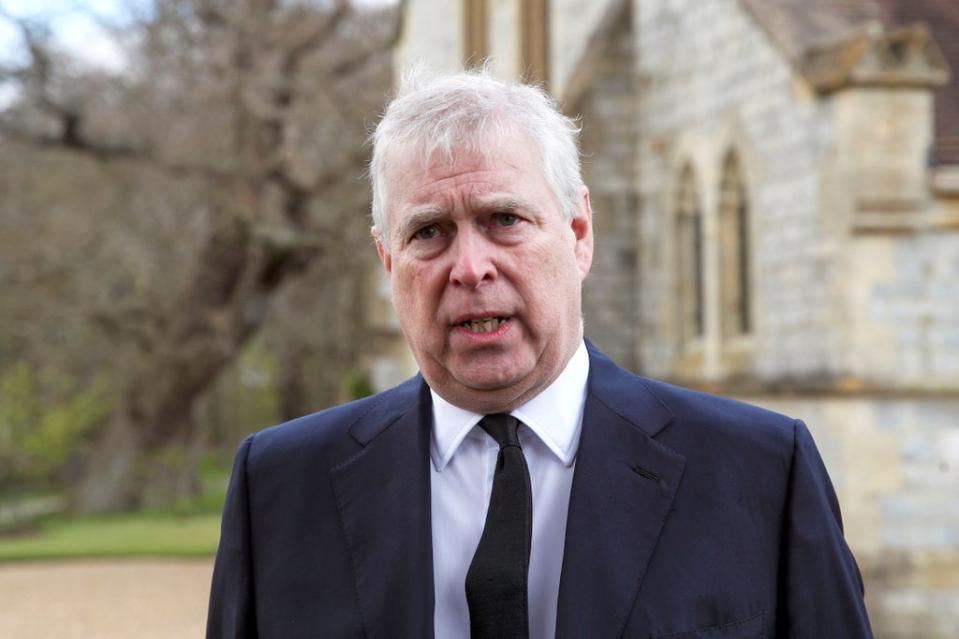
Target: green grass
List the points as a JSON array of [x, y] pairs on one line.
[[130, 535], [190, 528]]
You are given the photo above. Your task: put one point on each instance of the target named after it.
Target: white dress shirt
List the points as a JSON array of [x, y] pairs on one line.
[[461, 480]]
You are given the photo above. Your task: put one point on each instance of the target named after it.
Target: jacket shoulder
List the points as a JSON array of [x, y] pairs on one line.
[[684, 409], [707, 426], [715, 410]]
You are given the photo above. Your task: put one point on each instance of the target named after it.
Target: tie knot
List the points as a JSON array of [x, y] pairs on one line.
[[501, 427]]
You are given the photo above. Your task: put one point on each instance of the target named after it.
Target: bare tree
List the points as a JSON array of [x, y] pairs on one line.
[[256, 110]]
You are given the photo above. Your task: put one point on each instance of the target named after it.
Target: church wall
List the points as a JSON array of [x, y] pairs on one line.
[[709, 81], [903, 310], [835, 303], [432, 35], [572, 23], [422, 42], [504, 37], [608, 143]]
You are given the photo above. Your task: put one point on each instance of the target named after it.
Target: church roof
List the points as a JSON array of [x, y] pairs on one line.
[[836, 43], [798, 26]]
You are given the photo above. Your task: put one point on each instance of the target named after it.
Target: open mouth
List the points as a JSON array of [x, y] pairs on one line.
[[484, 324]]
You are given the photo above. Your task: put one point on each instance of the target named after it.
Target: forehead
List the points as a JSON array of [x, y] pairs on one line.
[[424, 174]]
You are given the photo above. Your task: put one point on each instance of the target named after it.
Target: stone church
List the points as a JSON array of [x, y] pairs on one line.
[[775, 186]]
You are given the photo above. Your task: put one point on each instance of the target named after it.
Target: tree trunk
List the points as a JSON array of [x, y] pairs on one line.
[[291, 373], [105, 484], [142, 455]]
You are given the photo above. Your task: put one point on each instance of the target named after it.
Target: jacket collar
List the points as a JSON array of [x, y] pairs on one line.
[[383, 498], [623, 487]]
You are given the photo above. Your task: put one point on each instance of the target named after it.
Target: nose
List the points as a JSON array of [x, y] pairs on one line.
[[473, 260]]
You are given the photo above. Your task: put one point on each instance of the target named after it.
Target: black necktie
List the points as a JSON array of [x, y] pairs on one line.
[[496, 584]]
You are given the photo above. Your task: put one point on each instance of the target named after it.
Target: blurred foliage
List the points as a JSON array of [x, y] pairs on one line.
[[244, 399], [358, 385], [43, 417], [256, 396]]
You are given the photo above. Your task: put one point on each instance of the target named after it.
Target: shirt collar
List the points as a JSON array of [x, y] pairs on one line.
[[555, 415]]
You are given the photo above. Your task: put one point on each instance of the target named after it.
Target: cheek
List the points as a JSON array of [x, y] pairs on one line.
[[553, 285], [415, 291], [554, 269], [401, 290]]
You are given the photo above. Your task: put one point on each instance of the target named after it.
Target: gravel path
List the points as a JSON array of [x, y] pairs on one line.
[[140, 599]]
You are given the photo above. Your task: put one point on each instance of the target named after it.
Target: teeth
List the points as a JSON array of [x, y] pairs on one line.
[[485, 325]]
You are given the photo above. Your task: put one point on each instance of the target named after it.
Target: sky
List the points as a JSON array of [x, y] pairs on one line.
[[74, 28], [77, 32]]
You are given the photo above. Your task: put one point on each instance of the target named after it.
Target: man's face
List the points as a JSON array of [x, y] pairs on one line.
[[486, 274]]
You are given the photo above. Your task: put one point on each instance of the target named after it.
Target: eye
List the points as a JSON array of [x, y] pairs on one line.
[[427, 232], [507, 219]]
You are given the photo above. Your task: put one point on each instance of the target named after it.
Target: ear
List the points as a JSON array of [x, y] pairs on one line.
[[582, 226], [381, 250]]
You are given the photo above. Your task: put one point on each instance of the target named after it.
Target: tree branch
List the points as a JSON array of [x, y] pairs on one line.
[[312, 39], [347, 67]]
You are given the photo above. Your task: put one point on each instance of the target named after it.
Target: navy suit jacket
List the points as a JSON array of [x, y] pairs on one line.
[[690, 516]]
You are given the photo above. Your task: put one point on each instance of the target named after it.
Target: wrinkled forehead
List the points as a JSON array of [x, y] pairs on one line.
[[478, 144]]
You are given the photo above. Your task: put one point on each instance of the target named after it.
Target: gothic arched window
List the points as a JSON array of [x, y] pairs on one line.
[[734, 253], [689, 258]]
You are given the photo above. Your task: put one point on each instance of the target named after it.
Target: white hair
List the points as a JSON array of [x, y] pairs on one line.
[[467, 111]]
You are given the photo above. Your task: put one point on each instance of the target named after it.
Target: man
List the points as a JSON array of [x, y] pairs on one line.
[[523, 484]]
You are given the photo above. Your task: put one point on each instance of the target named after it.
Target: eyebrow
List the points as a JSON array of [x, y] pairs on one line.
[[507, 203], [420, 217]]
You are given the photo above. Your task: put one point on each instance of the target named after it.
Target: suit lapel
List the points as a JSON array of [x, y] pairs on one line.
[[383, 497], [622, 490]]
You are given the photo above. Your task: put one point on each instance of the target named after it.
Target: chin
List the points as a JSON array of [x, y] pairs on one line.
[[489, 377], [486, 382]]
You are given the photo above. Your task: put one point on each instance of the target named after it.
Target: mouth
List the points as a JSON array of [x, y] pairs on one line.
[[481, 325]]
